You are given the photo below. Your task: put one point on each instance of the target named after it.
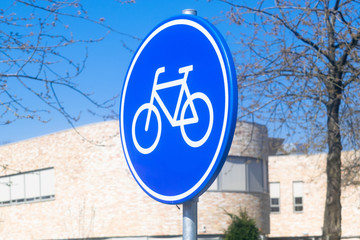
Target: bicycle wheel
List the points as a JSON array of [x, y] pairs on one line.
[[192, 97], [153, 109]]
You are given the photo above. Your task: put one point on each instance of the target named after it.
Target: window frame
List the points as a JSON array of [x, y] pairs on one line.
[[217, 185], [298, 207], [22, 176], [271, 198]]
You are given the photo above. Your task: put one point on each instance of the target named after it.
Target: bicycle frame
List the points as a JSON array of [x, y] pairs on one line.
[[184, 89]]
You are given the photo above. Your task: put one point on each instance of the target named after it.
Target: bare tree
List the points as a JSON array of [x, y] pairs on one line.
[[298, 67], [37, 60]]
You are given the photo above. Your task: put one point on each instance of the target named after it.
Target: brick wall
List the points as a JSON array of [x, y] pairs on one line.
[[311, 170], [250, 140], [96, 195]]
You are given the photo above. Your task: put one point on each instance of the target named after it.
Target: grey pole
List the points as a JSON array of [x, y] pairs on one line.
[[190, 207], [190, 220]]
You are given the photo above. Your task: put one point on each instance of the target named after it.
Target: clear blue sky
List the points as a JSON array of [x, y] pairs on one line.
[[109, 60]]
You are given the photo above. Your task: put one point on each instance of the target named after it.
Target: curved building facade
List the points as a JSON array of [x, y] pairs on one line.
[[62, 186]]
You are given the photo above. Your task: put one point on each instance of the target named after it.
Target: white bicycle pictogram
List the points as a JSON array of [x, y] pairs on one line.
[[174, 121]]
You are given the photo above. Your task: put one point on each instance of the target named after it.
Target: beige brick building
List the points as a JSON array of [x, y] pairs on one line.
[[303, 176], [62, 186]]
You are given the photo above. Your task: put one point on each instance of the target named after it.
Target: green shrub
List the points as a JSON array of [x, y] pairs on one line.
[[242, 227]]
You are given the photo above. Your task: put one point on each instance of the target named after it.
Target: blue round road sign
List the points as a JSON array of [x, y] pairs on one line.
[[178, 109]]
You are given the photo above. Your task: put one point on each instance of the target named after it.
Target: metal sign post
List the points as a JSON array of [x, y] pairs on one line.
[[190, 219]]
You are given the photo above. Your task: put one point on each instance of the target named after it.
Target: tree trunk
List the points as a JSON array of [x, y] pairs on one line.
[[332, 214]]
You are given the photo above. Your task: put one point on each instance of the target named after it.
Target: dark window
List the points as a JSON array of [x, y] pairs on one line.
[[274, 197], [298, 196], [241, 174], [256, 178], [274, 201]]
